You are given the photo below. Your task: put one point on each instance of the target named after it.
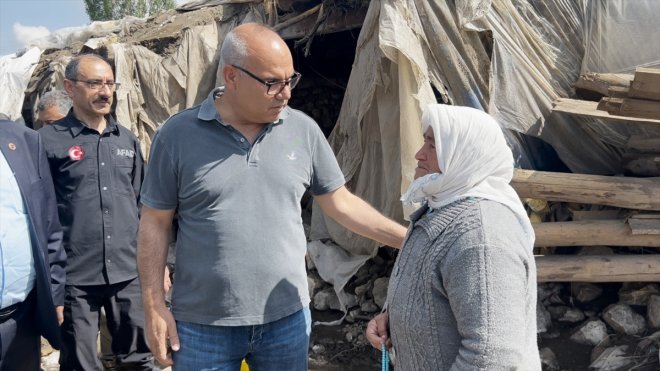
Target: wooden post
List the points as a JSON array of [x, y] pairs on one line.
[[591, 233], [600, 268], [625, 192]]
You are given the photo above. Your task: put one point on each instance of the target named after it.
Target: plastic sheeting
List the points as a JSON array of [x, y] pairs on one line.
[[621, 35], [15, 72]]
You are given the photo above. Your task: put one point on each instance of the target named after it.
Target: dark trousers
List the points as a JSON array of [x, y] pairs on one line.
[[19, 338], [125, 319]]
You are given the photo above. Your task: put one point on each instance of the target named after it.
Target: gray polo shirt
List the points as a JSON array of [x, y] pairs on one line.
[[241, 245]]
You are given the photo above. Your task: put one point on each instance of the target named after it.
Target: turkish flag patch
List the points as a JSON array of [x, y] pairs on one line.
[[76, 153]]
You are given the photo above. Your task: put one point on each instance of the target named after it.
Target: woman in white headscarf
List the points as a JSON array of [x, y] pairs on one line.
[[462, 294]]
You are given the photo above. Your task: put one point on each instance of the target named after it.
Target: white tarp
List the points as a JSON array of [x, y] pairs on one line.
[[15, 73], [621, 35]]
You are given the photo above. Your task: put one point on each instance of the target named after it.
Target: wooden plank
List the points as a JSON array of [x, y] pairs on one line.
[[617, 92], [645, 216], [590, 109], [611, 105], [631, 107], [591, 233], [595, 85], [640, 227], [599, 268], [625, 192], [646, 84]]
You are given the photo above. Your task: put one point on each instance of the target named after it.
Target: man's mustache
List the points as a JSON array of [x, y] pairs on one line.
[[102, 100]]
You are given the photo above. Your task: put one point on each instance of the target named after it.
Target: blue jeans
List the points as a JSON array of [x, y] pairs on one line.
[[278, 345]]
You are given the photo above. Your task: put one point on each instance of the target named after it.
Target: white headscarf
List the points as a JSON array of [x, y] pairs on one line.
[[474, 160]]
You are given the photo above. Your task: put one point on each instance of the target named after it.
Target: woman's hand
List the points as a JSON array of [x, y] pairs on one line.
[[377, 333]]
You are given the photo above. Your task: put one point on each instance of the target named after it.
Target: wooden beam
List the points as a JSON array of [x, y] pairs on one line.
[[590, 109], [631, 107], [625, 192], [599, 268], [645, 224], [595, 85], [591, 233], [617, 92], [646, 84]]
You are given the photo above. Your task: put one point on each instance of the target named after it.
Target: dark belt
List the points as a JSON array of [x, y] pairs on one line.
[[6, 313]]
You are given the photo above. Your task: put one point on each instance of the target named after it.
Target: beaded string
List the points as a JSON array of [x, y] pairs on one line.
[[385, 358]]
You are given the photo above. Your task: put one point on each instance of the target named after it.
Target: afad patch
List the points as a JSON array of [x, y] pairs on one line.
[[76, 153]]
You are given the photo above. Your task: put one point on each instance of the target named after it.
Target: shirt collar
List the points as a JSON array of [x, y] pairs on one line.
[[76, 126], [208, 112]]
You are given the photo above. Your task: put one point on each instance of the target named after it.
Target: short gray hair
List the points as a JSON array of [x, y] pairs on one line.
[[58, 98], [233, 51], [73, 67]]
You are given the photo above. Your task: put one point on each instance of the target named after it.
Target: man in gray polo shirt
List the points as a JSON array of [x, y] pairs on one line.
[[235, 168]]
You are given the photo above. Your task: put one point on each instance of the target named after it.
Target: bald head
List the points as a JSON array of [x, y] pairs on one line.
[[252, 40]]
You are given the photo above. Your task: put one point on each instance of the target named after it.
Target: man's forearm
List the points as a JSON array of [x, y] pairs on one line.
[[368, 222], [358, 216], [151, 259]]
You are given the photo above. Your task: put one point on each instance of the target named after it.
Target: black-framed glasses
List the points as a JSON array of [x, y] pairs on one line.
[[273, 87], [98, 84]]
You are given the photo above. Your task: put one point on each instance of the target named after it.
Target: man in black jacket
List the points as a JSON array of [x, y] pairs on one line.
[[31, 254]]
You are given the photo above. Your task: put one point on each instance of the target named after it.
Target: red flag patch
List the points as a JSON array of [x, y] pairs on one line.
[[76, 153]]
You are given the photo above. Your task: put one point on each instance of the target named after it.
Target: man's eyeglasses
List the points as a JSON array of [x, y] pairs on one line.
[[273, 87], [98, 84]]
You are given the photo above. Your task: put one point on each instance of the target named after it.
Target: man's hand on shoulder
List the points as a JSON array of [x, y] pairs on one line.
[[358, 216]]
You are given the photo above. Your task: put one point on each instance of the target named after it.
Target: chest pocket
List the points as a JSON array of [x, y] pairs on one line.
[[123, 161], [122, 157], [74, 169]]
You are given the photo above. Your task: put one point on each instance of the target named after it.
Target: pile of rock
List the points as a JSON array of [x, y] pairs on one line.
[[622, 328], [619, 324]]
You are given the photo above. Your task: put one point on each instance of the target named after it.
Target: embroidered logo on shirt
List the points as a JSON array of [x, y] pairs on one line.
[[76, 153], [291, 156], [125, 153]]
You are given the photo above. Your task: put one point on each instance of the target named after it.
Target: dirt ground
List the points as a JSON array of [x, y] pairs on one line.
[[331, 351]]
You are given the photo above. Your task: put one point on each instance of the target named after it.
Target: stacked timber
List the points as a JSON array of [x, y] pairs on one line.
[[627, 216], [621, 121], [594, 86], [640, 99]]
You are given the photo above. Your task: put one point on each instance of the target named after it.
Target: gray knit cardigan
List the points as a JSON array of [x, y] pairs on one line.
[[462, 295]]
